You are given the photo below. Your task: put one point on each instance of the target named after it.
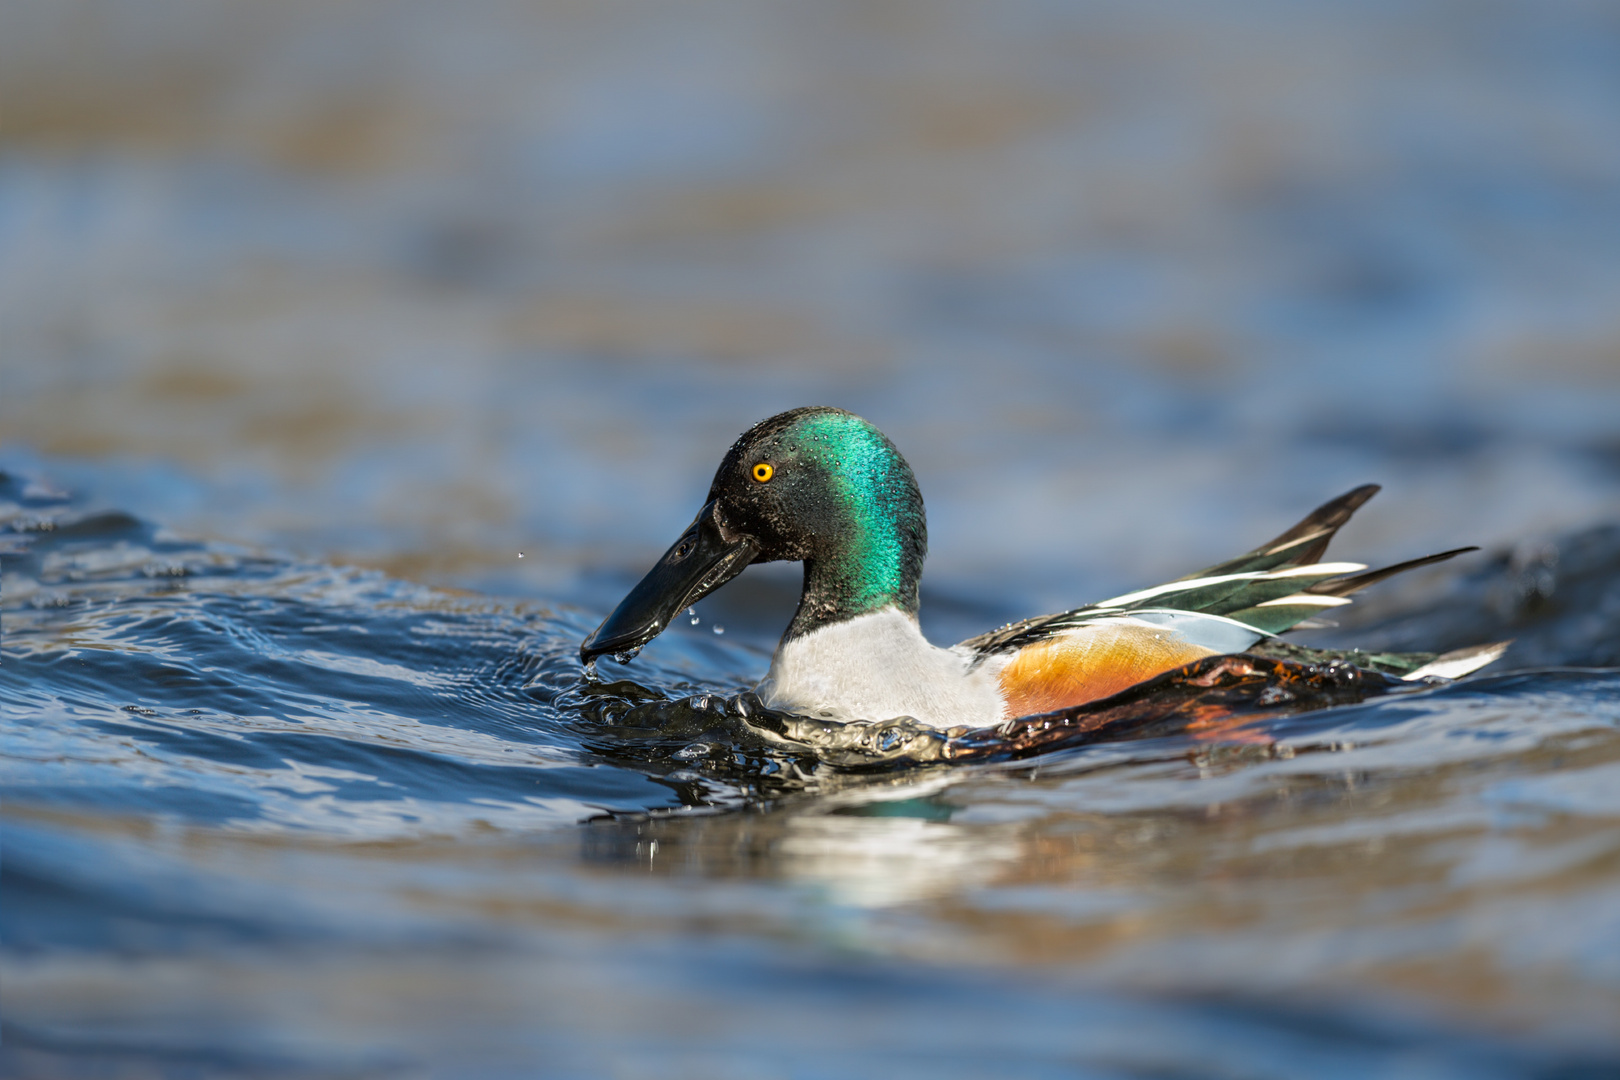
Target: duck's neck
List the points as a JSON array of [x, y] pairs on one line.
[[866, 550], [864, 570]]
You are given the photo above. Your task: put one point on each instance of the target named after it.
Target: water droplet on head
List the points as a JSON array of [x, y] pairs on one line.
[[626, 655]]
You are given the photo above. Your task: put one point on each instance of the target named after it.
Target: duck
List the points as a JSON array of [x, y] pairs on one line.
[[823, 487]]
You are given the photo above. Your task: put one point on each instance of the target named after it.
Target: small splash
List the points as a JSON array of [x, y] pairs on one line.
[[520, 554], [718, 629]]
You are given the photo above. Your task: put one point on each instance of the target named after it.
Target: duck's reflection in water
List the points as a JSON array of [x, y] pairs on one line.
[[868, 847], [893, 850]]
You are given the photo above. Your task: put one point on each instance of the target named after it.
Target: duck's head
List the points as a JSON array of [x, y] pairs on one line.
[[816, 485]]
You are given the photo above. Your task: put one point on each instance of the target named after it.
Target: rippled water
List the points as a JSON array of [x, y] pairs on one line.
[[267, 817], [317, 315]]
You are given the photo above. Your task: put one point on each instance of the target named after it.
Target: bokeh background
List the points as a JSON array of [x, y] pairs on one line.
[[420, 285]]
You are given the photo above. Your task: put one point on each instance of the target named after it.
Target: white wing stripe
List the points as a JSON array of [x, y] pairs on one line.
[[1306, 600], [1322, 570]]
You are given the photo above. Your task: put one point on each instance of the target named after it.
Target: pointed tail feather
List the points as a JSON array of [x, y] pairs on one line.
[[1459, 662], [1279, 613], [1320, 525], [1347, 585], [1271, 590], [1303, 544]]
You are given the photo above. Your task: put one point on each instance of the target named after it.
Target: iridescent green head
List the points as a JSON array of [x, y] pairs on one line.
[[824, 487], [819, 486]]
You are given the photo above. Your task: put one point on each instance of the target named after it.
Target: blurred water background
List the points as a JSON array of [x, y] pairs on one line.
[[314, 315]]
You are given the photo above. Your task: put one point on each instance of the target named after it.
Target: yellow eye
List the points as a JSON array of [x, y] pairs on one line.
[[763, 472]]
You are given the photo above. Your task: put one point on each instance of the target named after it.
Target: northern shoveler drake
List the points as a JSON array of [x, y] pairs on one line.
[[823, 487]]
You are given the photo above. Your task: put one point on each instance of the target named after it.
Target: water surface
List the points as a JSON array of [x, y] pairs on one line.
[[269, 816], [317, 316]]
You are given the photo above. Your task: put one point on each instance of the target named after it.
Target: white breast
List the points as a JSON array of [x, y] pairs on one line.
[[877, 667]]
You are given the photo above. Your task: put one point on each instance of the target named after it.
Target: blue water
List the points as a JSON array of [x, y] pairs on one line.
[[266, 817], [359, 356]]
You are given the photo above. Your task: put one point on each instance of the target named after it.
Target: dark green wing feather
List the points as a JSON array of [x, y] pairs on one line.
[[1279, 615], [1305, 543], [1390, 663], [1268, 591], [1406, 665]]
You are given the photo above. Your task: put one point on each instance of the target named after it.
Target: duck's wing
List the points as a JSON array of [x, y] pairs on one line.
[[1302, 545], [1232, 605], [1404, 665]]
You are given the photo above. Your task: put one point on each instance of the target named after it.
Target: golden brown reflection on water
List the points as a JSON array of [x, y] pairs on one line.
[[1410, 884], [1463, 892]]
